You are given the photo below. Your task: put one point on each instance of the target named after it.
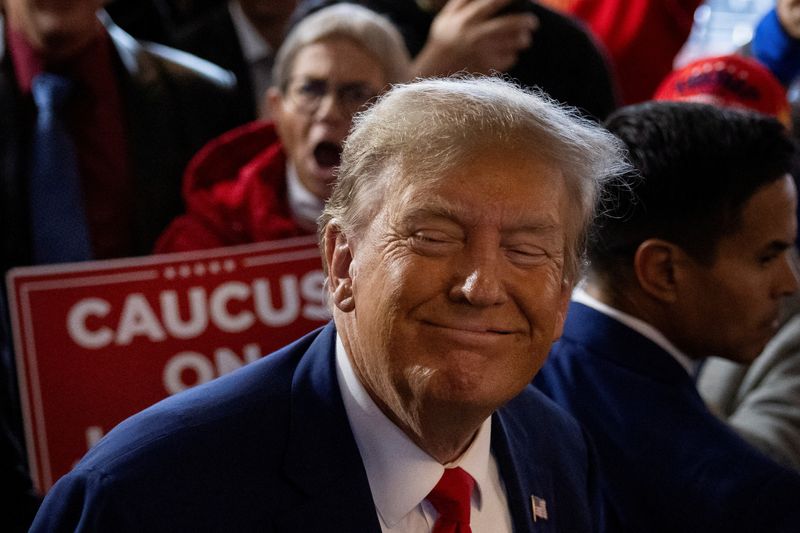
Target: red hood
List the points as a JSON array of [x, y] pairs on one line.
[[215, 174], [235, 193]]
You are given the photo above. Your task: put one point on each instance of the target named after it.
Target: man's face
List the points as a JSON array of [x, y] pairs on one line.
[[330, 80], [457, 286], [57, 29], [731, 307], [789, 16]]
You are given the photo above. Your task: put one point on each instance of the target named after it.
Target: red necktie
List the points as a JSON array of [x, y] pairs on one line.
[[451, 499]]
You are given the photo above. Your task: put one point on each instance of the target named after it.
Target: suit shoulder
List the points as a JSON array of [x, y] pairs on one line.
[[169, 467], [531, 411], [213, 416], [146, 59], [184, 64]]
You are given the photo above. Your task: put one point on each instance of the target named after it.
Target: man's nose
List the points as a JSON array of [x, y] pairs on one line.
[[479, 280], [329, 108], [790, 270]]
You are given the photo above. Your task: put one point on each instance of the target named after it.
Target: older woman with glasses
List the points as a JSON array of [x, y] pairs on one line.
[[269, 180]]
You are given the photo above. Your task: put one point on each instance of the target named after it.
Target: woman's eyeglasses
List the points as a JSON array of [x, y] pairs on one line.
[[307, 94]]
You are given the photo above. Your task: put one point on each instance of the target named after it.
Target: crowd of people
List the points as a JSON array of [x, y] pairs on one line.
[[562, 274]]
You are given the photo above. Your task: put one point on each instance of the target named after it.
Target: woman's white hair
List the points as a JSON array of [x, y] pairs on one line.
[[374, 33], [418, 131]]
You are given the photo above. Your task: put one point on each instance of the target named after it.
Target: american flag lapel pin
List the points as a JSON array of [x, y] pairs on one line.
[[538, 508]]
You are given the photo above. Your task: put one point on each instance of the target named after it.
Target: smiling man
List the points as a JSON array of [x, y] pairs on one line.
[[691, 259], [451, 241]]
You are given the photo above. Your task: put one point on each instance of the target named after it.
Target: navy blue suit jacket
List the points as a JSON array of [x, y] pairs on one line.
[[667, 463], [269, 448]]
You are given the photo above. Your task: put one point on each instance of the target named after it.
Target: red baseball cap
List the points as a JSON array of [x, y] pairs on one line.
[[730, 81]]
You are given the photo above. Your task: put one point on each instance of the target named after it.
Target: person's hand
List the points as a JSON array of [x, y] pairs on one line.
[[469, 35], [789, 16]]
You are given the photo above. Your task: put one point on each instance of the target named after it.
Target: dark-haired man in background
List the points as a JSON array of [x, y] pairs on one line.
[[691, 258]]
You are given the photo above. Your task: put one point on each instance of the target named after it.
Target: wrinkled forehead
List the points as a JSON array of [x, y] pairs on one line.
[[409, 182], [424, 165]]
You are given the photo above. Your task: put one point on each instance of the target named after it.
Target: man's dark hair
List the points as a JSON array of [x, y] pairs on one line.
[[697, 165]]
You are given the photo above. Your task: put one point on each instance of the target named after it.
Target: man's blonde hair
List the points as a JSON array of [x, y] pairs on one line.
[[418, 131]]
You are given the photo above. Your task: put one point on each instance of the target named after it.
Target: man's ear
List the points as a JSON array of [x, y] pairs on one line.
[[339, 258], [655, 265]]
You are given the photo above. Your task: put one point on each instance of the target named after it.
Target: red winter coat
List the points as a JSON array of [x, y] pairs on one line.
[[642, 37], [235, 193]]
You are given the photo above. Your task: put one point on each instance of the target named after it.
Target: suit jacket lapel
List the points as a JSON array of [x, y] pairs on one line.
[[521, 476], [323, 459]]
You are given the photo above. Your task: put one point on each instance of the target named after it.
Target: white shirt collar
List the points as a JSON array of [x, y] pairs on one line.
[[254, 47], [640, 326], [400, 474], [305, 206]]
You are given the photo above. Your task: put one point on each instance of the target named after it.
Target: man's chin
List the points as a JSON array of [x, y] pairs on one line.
[[748, 355]]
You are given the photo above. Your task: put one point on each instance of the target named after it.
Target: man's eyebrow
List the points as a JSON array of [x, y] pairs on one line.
[[777, 246], [543, 227], [450, 211], [431, 211]]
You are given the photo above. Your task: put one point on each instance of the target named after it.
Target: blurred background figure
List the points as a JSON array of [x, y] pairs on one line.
[[132, 116], [159, 20], [243, 37], [761, 401], [766, 30], [776, 40], [722, 27], [646, 39], [533, 44], [269, 180], [729, 81], [776, 44], [96, 131], [642, 38]]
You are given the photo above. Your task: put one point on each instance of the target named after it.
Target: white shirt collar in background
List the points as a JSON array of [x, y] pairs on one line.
[[640, 326], [303, 204]]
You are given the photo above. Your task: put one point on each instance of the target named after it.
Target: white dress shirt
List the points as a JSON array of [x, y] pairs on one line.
[[640, 326], [304, 205], [401, 474]]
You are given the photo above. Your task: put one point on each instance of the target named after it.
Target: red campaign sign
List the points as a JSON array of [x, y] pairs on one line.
[[97, 342]]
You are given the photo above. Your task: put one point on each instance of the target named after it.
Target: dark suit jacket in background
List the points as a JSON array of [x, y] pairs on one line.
[[269, 448], [667, 464], [158, 20], [172, 104], [563, 58], [213, 37]]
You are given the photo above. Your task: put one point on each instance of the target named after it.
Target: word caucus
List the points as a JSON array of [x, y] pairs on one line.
[[231, 307]]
